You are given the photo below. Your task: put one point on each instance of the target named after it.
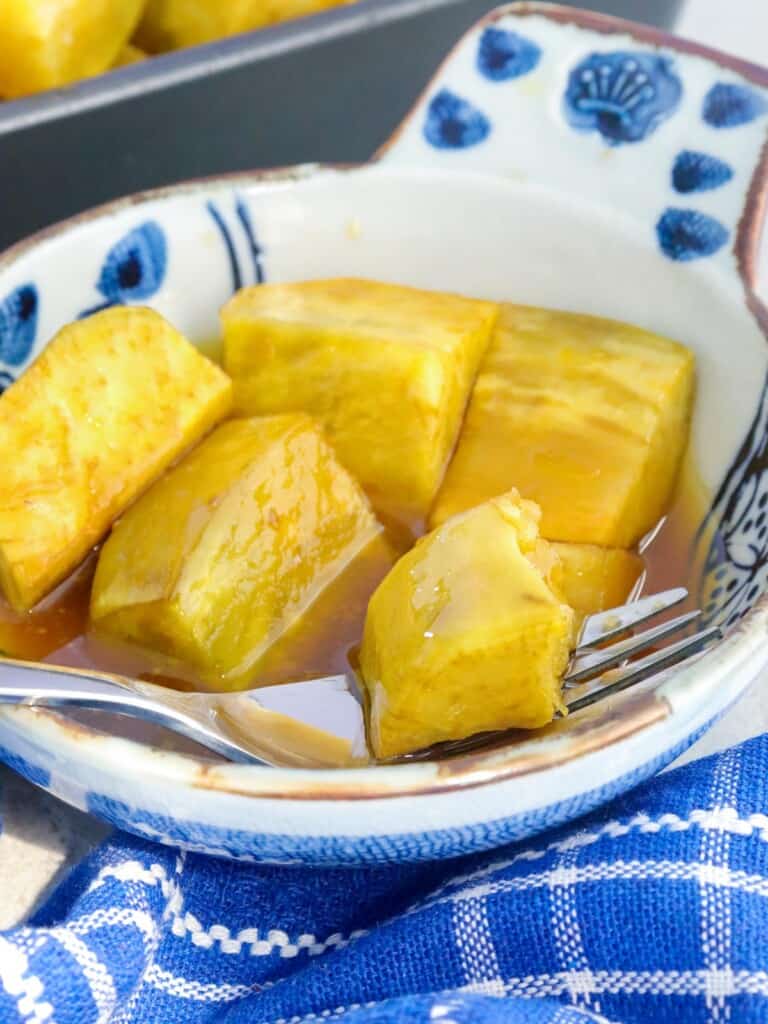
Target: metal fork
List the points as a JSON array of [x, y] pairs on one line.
[[278, 726]]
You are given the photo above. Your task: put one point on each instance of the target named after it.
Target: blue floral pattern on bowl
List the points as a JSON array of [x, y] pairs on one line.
[[623, 96], [18, 324], [688, 234], [454, 123], [735, 569], [245, 223], [699, 172], [729, 105], [134, 268], [504, 55]]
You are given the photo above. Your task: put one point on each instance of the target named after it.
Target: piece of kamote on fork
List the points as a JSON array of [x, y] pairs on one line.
[[467, 633], [585, 416]]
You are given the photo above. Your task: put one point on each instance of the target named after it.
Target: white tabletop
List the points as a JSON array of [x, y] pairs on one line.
[[42, 837]]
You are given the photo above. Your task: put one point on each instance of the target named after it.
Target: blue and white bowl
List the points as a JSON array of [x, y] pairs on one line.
[[560, 159]]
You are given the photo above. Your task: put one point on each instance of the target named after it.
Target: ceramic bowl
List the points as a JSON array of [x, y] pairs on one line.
[[557, 158]]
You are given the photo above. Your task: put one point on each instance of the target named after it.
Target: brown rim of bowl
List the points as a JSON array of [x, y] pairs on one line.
[[614, 723]]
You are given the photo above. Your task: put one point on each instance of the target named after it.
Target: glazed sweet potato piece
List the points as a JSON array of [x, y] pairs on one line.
[[224, 553], [386, 369], [587, 417], [44, 45], [107, 406], [466, 633]]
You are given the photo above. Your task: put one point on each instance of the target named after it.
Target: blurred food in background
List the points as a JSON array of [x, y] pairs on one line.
[[52, 44], [45, 45], [173, 24]]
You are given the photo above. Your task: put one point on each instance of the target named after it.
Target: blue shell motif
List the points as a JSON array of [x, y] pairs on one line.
[[134, 268], [699, 172], [624, 96], [728, 105], [502, 55], [454, 123], [689, 235], [736, 563], [18, 325]]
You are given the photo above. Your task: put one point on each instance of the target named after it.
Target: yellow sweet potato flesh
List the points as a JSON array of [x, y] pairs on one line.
[[107, 406], [44, 45], [465, 634], [217, 560], [171, 24], [386, 369], [592, 578], [587, 417]]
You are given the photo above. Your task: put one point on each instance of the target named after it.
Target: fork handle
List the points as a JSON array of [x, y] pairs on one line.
[[31, 684]]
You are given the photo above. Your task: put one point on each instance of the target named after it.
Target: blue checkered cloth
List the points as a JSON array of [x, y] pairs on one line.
[[654, 909]]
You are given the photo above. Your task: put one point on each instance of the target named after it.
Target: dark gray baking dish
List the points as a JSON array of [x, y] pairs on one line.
[[329, 88]]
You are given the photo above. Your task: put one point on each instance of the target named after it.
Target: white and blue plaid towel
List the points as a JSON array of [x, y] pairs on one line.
[[654, 909]]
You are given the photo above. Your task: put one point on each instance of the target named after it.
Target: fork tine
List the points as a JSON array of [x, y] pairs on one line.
[[622, 679], [596, 629], [598, 660]]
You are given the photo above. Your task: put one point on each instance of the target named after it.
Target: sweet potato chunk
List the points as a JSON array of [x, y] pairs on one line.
[[587, 417], [465, 634], [592, 578], [215, 562], [106, 407], [388, 371], [44, 45]]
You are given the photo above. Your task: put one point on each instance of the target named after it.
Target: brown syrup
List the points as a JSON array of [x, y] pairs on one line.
[[319, 644], [57, 621], [671, 559]]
